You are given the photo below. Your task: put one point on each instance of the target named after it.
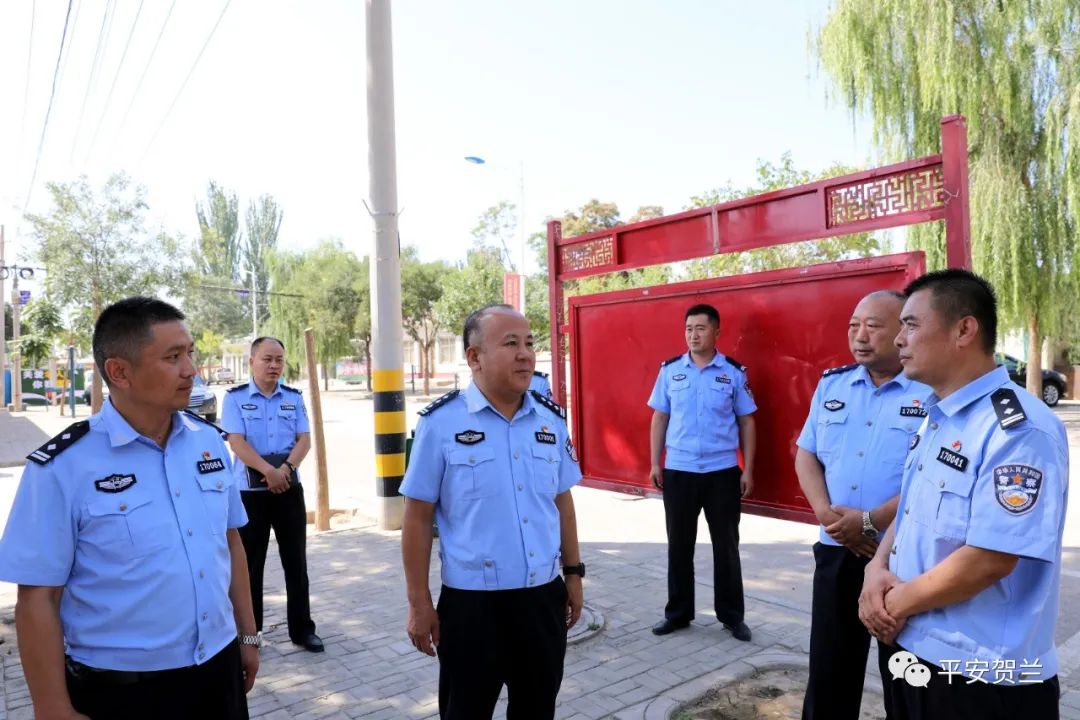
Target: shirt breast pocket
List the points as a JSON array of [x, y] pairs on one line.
[[679, 393], [214, 488], [253, 421], [721, 397], [954, 504], [896, 443], [470, 473], [830, 433], [127, 527], [286, 422], [545, 468]]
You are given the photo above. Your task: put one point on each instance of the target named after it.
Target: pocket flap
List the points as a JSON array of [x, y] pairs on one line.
[[215, 482], [116, 505], [470, 456]]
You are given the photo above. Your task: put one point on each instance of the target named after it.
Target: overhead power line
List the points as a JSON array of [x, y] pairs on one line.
[[48, 110], [26, 91], [103, 34], [146, 68], [188, 77], [116, 76]]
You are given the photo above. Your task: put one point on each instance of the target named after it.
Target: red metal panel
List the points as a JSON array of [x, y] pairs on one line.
[[786, 326]]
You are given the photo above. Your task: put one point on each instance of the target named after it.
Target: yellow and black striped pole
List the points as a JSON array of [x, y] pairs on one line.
[[388, 378]]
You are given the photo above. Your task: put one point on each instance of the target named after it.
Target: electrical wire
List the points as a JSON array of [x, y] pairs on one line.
[[116, 76], [191, 72], [48, 110], [26, 92], [103, 34], [146, 67]]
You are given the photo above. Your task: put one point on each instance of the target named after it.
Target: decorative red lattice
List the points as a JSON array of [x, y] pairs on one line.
[[588, 255], [886, 196]]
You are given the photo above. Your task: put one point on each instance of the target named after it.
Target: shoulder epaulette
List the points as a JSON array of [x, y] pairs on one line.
[[670, 360], [292, 389], [238, 388], [1007, 406], [60, 443], [439, 402], [735, 363], [200, 418], [540, 374], [838, 370], [549, 404]]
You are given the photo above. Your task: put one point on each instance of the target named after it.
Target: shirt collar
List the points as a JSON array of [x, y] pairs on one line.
[[254, 390], [861, 374], [717, 360], [121, 433], [475, 401], [978, 388]]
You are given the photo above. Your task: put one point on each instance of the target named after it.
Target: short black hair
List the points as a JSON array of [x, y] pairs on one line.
[[124, 328], [260, 340], [703, 309], [472, 323], [957, 293]]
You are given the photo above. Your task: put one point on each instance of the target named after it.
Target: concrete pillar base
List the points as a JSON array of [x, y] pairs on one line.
[[391, 512]]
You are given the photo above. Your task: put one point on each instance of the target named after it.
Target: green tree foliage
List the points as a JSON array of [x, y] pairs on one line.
[[421, 290], [45, 326], [327, 277], [263, 223], [470, 285], [1012, 68], [362, 324], [495, 229], [209, 345], [772, 176], [216, 263], [96, 250]]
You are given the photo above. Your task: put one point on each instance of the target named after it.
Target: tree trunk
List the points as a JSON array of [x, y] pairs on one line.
[[325, 377], [95, 386], [425, 370], [1034, 353]]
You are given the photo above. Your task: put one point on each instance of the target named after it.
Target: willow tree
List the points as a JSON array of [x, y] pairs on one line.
[[1012, 69]]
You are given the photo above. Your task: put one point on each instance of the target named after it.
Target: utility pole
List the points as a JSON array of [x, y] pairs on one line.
[[16, 356], [254, 306], [3, 322], [388, 377]]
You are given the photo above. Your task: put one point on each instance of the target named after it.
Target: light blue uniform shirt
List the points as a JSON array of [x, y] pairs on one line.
[[540, 384], [269, 424], [136, 536], [493, 483], [968, 481], [703, 404], [860, 433]]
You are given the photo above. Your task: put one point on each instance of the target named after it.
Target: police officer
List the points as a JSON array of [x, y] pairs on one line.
[[269, 432], [965, 582], [849, 461], [703, 412], [495, 465], [541, 384], [122, 539]]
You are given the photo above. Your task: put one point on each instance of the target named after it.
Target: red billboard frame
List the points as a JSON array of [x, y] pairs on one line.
[[915, 191]]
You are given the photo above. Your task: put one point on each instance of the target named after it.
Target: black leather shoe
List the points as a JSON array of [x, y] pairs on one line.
[[311, 643], [740, 631], [665, 627]]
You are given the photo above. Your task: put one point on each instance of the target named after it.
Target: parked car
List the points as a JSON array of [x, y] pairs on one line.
[[203, 401], [1053, 382], [222, 375]]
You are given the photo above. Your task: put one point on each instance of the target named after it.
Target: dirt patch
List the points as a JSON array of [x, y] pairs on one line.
[[773, 694]]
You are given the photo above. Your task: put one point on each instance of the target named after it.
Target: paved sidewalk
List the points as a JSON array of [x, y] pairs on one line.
[[370, 670], [23, 432]]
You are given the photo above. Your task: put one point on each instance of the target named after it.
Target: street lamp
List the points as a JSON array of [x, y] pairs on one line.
[[476, 160]]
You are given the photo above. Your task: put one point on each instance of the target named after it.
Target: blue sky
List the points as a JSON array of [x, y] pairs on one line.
[[633, 102]]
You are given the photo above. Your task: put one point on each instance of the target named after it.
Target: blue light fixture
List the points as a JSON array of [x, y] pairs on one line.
[[475, 160]]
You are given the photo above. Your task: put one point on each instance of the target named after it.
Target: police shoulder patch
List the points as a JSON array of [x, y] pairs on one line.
[[1007, 406], [292, 389], [540, 374], [60, 443], [1017, 487], [439, 402], [200, 418], [549, 404], [735, 363], [238, 388], [838, 370], [670, 360]]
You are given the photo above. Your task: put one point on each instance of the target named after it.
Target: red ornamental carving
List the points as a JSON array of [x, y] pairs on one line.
[[887, 196], [588, 255]]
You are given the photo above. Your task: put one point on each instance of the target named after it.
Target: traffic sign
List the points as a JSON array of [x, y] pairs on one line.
[[24, 297]]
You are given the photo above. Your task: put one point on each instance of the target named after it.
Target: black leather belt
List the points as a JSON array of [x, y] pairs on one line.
[[78, 671]]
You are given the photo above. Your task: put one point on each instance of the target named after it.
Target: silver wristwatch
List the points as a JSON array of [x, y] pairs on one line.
[[868, 528], [255, 639]]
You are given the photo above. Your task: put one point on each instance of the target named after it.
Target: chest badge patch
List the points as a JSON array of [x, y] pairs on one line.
[[548, 438], [913, 410], [469, 437], [678, 377], [957, 445], [956, 461], [287, 406], [723, 379], [249, 406], [114, 483], [1017, 487], [210, 464], [833, 405]]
